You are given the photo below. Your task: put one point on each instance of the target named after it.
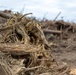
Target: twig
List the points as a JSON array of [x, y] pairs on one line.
[[23, 69], [64, 72], [57, 16], [52, 31], [25, 15]]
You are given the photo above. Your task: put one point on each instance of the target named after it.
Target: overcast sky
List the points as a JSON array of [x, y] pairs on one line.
[[41, 8]]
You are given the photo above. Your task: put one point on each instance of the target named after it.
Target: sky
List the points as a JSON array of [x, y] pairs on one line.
[[43, 8]]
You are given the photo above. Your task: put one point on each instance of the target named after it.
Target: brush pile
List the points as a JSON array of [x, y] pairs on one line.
[[24, 49], [60, 32], [61, 36]]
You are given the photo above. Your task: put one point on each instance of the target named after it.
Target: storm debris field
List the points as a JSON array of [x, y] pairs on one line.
[[29, 47]]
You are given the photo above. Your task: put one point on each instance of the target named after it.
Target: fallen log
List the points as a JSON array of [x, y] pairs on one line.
[[52, 31], [19, 49], [4, 15]]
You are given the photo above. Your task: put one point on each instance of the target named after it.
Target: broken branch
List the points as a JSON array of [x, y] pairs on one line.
[[52, 31]]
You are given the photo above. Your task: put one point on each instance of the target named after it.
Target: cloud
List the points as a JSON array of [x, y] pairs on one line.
[[40, 7], [71, 4]]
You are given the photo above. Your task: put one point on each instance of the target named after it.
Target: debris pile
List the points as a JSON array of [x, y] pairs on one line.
[[24, 49], [61, 36], [60, 30]]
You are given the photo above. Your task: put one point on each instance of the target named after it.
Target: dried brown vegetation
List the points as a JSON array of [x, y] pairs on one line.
[[24, 49]]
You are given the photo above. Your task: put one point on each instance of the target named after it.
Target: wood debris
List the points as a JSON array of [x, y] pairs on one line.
[[24, 47]]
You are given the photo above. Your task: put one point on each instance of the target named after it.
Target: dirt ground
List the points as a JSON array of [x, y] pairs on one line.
[[68, 57]]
